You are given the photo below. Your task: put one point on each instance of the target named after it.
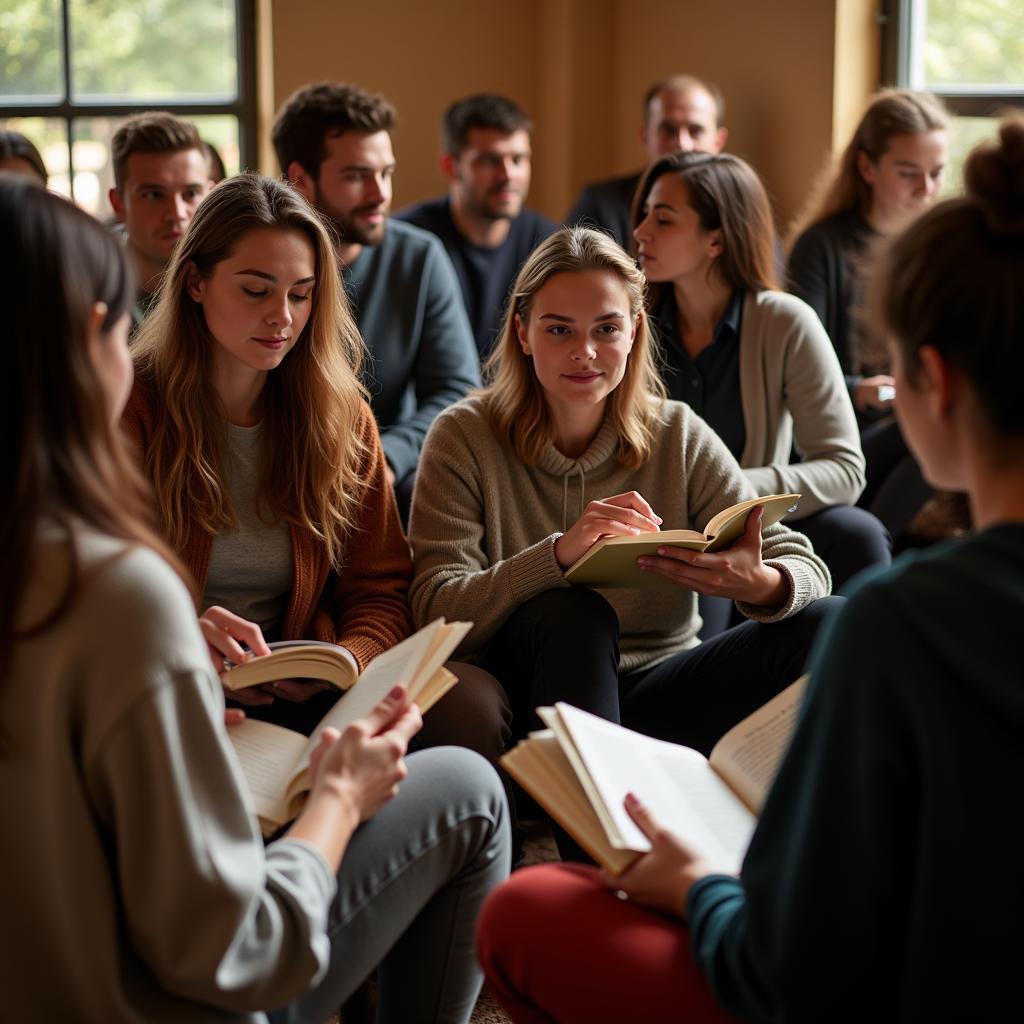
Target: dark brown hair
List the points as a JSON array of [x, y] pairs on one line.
[[151, 133], [955, 280], [14, 146], [727, 196], [70, 464], [482, 110], [314, 112]]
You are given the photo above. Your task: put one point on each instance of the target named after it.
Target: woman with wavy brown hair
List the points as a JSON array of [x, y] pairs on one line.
[[136, 881], [260, 446]]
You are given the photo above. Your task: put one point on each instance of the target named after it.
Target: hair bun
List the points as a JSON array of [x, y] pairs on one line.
[[994, 178]]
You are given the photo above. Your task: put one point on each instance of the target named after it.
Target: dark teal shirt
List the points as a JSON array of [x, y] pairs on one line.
[[885, 881]]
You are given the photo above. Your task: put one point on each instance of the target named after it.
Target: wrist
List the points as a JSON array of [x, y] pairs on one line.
[[332, 813], [773, 589]]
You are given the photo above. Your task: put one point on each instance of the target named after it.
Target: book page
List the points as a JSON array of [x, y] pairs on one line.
[[676, 783], [725, 528], [268, 755], [749, 754], [446, 639], [611, 562]]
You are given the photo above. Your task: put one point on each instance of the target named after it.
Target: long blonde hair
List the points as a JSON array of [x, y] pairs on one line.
[[311, 403], [514, 396], [842, 189]]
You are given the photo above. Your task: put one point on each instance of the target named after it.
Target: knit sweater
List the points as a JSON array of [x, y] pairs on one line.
[[793, 390], [484, 525], [364, 607]]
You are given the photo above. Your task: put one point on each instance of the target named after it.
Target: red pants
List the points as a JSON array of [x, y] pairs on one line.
[[557, 946]]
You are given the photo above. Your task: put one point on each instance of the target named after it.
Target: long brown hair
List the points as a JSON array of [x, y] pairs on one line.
[[514, 396], [952, 280], [727, 196], [842, 189], [312, 402], [70, 464]]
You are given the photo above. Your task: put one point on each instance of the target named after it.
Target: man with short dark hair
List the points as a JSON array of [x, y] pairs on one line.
[[333, 142], [482, 222], [160, 177], [681, 114]]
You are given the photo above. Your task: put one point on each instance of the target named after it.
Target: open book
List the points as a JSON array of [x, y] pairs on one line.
[[275, 760], [294, 659], [611, 562], [581, 767]]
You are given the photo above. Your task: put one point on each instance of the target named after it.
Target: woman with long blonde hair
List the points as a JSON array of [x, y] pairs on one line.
[[573, 441], [136, 881]]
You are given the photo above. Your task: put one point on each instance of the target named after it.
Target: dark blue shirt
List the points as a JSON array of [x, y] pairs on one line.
[[486, 275], [709, 384]]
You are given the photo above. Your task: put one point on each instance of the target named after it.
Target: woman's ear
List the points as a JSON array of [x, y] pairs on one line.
[[714, 244], [939, 378], [194, 283], [865, 167], [521, 335]]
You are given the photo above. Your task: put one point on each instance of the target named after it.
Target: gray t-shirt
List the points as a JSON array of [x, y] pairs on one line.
[[252, 566]]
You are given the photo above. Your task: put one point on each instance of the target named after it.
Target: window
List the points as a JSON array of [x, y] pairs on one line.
[[74, 69], [968, 52]]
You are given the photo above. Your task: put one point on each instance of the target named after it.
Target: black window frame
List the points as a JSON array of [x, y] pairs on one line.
[[243, 108]]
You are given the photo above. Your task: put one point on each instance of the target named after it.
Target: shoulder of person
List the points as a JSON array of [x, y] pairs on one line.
[[132, 598], [417, 213], [777, 309], [468, 418], [536, 222], [411, 240]]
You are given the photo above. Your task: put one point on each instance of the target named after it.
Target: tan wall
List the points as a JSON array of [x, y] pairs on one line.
[[580, 67]]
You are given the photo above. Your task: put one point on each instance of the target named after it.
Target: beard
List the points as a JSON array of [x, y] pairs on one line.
[[350, 227]]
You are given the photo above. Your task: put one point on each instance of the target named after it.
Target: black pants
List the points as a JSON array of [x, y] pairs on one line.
[[895, 489]]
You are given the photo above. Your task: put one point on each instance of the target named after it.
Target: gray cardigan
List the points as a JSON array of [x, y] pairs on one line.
[[793, 390]]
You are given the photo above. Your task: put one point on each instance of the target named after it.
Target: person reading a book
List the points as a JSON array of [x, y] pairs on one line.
[[571, 442], [891, 170], [753, 362], [270, 480], [136, 886], [882, 880]]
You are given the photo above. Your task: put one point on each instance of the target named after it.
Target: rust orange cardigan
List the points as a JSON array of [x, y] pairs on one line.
[[364, 607]]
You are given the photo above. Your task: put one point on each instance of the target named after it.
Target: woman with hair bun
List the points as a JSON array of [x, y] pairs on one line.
[[891, 170], [882, 881]]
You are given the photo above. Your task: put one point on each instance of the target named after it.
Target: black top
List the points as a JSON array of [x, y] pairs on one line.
[[486, 275], [823, 271], [606, 204], [883, 882], [709, 384]]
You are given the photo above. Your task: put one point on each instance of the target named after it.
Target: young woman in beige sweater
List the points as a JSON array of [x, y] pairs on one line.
[[573, 441]]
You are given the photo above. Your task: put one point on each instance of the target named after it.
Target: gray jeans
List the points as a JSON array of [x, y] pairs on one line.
[[409, 889]]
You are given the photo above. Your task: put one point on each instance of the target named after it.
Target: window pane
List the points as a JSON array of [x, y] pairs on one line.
[[972, 43], [94, 173], [964, 134], [32, 70], [50, 136], [153, 50]]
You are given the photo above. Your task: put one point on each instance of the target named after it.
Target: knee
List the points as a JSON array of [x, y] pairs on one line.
[[554, 611], [474, 714]]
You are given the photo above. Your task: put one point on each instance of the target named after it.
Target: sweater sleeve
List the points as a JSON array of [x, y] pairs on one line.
[[831, 470], [447, 364], [453, 575], [216, 919], [714, 482], [823, 885], [365, 607]]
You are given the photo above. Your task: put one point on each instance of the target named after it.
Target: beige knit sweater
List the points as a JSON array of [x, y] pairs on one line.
[[484, 524]]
